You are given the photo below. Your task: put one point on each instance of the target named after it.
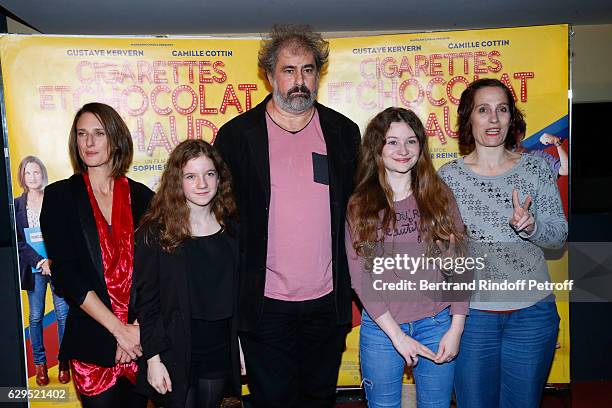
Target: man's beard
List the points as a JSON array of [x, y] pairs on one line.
[[295, 103]]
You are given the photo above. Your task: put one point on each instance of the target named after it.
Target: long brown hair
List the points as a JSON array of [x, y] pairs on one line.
[[168, 215], [466, 106], [373, 194], [117, 132]]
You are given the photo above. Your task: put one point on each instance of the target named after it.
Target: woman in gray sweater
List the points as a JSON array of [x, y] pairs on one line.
[[511, 206]]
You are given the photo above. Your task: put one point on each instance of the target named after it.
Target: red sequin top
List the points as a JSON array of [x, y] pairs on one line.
[[117, 246]]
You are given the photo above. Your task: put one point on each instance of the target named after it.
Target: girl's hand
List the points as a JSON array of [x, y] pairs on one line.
[[409, 348], [449, 346], [157, 375]]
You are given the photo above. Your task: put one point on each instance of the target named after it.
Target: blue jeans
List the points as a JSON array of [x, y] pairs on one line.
[[504, 359], [382, 367], [36, 299]]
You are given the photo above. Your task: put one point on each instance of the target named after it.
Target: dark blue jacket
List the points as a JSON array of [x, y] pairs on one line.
[[28, 257]]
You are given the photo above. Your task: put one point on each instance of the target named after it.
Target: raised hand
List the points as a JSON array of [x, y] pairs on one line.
[[522, 220], [548, 139]]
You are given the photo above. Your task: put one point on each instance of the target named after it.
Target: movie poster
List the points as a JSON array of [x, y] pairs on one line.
[[170, 89]]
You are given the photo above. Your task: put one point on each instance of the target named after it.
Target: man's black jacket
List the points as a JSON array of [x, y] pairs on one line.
[[243, 143]]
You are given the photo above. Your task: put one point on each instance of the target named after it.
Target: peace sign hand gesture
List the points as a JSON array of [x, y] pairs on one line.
[[522, 220]]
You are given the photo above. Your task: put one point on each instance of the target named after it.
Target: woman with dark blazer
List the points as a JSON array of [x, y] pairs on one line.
[[186, 277], [88, 223], [34, 267]]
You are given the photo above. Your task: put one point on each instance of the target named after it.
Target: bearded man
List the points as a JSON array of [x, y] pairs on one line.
[[292, 162]]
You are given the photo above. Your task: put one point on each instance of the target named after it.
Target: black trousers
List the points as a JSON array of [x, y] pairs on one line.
[[293, 357], [121, 395]]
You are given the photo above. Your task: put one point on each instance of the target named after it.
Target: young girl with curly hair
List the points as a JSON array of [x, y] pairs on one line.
[[186, 270]]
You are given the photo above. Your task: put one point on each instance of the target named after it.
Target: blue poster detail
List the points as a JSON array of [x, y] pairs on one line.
[[33, 237], [559, 128]]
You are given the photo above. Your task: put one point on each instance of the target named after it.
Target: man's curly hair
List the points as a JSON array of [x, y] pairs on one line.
[[297, 37]]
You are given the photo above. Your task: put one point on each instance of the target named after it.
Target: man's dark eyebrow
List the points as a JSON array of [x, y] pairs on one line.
[[295, 67]]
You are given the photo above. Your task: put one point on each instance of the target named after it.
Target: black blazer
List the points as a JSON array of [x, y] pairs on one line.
[[73, 246], [28, 257], [243, 143], [164, 313]]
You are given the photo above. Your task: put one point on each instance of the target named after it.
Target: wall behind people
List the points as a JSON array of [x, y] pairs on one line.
[[14, 26], [592, 84], [591, 63]]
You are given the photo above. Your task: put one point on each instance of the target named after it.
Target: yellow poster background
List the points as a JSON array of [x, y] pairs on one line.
[[169, 89], [165, 89]]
